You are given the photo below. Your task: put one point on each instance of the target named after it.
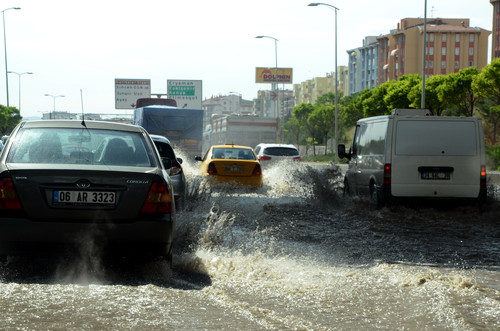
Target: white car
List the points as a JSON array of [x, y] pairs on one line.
[[277, 152]]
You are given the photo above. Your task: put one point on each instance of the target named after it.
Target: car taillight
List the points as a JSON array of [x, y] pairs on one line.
[[387, 174], [159, 199], [257, 170], [211, 169], [175, 169], [8, 195], [297, 158], [264, 158], [483, 176]]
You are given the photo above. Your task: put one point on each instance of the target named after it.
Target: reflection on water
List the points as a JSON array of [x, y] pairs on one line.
[[294, 254]]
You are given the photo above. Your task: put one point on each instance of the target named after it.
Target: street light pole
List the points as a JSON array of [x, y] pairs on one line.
[[422, 99], [54, 101], [19, 78], [314, 4], [276, 78], [5, 50]]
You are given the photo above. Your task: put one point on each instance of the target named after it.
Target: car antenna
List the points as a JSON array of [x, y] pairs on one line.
[[83, 114]]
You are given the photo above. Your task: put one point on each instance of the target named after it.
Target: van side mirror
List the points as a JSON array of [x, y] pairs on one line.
[[342, 153]]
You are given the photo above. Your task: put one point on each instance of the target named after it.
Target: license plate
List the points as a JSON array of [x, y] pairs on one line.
[[435, 175], [84, 197], [235, 168]]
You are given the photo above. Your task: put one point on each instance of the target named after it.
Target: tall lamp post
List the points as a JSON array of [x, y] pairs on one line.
[[277, 90], [19, 77], [5, 49], [422, 99], [314, 4], [54, 101]]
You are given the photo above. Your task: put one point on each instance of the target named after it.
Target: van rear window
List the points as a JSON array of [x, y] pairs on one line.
[[439, 137]]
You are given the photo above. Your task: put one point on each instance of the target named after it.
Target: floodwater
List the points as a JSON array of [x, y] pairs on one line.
[[294, 255]]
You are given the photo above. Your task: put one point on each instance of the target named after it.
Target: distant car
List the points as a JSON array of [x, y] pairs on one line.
[[277, 152], [175, 172], [233, 164], [63, 182]]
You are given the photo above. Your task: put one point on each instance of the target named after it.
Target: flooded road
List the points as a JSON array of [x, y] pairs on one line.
[[294, 255]]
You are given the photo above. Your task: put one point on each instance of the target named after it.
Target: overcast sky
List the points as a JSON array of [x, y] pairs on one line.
[[72, 45]]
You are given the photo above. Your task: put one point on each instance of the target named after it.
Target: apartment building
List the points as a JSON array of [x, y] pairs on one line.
[[495, 40], [310, 90], [451, 45], [363, 66]]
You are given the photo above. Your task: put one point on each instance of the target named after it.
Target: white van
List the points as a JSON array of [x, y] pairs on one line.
[[411, 154]]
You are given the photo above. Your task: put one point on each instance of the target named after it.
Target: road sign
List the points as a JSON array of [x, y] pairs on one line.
[[127, 91], [187, 93]]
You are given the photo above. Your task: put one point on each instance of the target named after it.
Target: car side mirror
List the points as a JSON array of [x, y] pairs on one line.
[[179, 160], [167, 163], [198, 158]]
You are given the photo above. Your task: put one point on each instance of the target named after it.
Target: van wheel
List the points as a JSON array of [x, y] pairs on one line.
[[374, 198], [347, 189]]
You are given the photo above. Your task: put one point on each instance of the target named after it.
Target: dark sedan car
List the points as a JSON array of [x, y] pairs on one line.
[[67, 183], [175, 170]]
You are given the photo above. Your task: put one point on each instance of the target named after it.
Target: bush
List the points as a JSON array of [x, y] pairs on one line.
[[493, 158]]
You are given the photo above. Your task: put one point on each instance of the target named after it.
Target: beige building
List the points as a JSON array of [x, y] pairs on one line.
[[451, 45], [310, 90]]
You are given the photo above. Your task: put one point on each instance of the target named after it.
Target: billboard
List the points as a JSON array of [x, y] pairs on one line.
[[267, 75], [127, 91], [187, 93]]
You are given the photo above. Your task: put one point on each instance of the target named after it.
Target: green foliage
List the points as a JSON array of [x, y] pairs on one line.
[[493, 157], [9, 118], [457, 90], [397, 93]]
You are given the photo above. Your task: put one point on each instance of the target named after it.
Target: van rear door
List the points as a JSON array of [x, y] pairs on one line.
[[437, 157]]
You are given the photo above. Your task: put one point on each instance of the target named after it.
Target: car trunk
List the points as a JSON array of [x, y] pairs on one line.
[[234, 168], [81, 195]]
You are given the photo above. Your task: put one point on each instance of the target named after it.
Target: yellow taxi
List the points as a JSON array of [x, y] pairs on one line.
[[231, 164]]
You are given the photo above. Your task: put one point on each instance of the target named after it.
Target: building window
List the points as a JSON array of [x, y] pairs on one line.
[[431, 50], [443, 64], [431, 37], [443, 37], [457, 38], [471, 38], [443, 51], [431, 64], [457, 51], [457, 65], [471, 51]]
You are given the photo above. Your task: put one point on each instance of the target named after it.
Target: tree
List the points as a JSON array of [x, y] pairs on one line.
[[9, 118], [397, 94], [301, 113], [487, 85], [323, 120], [457, 91], [373, 100], [432, 101]]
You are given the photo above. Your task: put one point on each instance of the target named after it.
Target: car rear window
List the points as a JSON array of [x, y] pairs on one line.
[[281, 151], [233, 153], [80, 146]]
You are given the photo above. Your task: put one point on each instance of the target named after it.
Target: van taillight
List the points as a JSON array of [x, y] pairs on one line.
[[483, 176], [211, 169], [387, 174], [159, 199], [8, 195]]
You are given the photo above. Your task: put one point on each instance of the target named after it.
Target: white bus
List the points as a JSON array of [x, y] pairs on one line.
[[411, 154]]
